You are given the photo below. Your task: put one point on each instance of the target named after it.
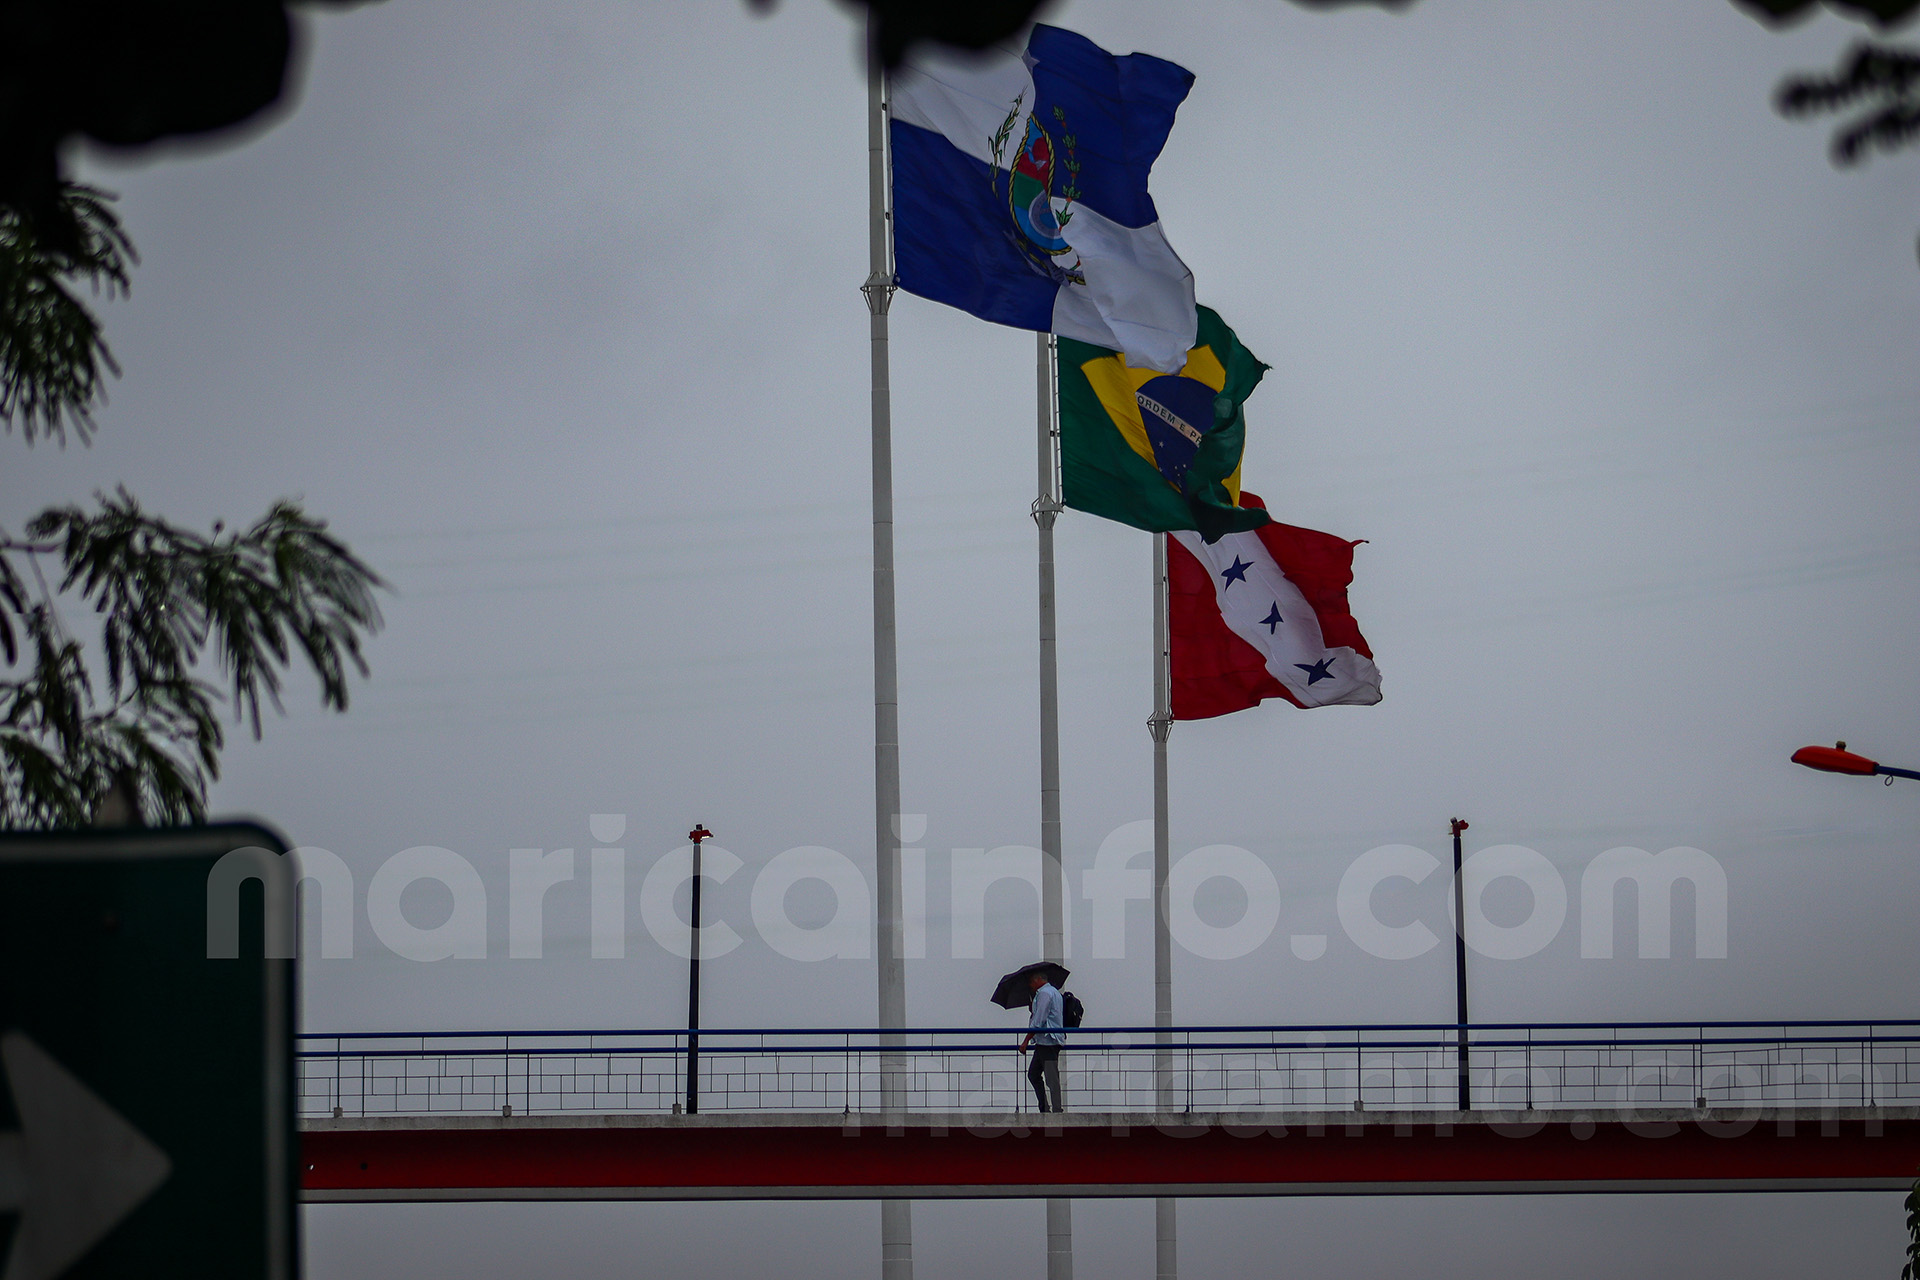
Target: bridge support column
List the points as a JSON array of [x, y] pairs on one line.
[[896, 1240], [1166, 1241], [1059, 1239]]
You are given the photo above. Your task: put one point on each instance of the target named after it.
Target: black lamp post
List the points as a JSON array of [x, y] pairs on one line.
[[1456, 826], [698, 835]]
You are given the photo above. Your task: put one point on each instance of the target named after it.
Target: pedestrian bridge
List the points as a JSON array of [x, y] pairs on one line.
[[1182, 1111]]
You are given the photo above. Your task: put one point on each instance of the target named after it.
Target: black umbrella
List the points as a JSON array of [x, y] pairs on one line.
[[1013, 992]]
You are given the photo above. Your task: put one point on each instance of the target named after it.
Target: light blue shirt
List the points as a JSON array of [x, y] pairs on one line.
[[1045, 1022]]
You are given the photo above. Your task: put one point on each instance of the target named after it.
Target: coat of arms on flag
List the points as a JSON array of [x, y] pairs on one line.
[[1264, 615], [1030, 175], [1155, 450]]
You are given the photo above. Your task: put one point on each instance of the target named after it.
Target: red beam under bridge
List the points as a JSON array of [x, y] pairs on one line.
[[972, 1156]]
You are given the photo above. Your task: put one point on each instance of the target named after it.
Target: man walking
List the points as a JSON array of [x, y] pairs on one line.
[[1046, 1033]]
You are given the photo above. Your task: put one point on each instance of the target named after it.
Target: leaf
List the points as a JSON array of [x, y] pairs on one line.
[[1884, 77], [36, 790], [13, 601], [1885, 13], [169, 600], [1889, 129], [53, 359]]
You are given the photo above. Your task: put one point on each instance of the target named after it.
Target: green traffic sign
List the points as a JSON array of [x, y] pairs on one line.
[[146, 1041]]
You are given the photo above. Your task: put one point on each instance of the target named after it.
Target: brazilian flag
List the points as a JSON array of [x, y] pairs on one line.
[[1154, 450]]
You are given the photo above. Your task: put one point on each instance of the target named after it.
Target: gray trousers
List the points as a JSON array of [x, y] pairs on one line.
[[1043, 1073]]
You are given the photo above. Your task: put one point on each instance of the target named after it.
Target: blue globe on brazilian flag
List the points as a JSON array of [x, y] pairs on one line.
[[1154, 450]]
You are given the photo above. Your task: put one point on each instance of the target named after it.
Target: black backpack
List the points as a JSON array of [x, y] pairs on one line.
[[1071, 1010]]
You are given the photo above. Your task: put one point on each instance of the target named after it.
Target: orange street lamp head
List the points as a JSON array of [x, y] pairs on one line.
[[699, 833], [1834, 759]]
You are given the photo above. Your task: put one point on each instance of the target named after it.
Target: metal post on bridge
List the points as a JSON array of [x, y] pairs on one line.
[[698, 835], [1458, 825]]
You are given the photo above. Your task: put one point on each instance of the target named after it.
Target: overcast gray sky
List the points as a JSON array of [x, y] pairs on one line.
[[551, 310]]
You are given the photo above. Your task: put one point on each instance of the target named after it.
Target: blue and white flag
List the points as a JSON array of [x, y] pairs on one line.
[[1020, 193]]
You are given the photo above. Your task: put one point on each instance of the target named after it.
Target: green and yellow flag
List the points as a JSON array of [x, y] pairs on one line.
[[1154, 450]]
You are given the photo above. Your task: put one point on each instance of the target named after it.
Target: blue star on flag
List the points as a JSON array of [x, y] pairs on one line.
[[1273, 619], [1235, 572], [1316, 671]]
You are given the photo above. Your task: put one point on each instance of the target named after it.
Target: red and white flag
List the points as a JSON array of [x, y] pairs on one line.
[[1264, 615]]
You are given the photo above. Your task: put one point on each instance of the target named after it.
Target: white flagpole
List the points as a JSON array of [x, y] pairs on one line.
[[1166, 1239], [896, 1216], [1046, 509]]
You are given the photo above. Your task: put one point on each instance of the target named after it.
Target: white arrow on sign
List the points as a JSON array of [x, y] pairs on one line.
[[75, 1168]]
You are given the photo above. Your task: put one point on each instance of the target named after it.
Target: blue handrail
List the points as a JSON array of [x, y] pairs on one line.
[[1555, 1035], [1184, 1029]]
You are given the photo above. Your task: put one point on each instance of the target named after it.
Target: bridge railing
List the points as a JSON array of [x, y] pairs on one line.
[[1628, 1065]]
